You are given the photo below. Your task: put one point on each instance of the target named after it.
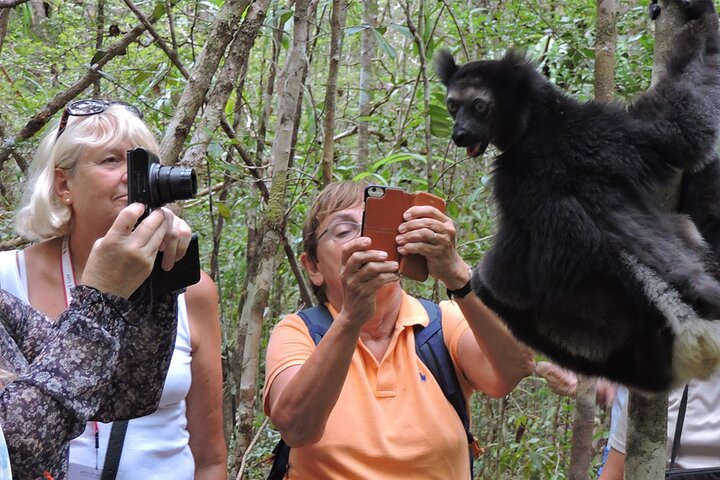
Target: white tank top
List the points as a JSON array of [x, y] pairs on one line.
[[156, 446]]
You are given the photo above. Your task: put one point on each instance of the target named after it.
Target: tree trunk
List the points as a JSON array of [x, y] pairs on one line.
[[367, 54], [235, 63], [4, 17], [647, 417], [581, 451], [606, 39], [337, 23], [99, 29], [417, 33], [272, 227], [223, 30]]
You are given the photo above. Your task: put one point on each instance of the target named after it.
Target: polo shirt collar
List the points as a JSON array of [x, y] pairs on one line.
[[411, 312]]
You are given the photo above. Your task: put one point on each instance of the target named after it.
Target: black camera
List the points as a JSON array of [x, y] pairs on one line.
[[154, 185]]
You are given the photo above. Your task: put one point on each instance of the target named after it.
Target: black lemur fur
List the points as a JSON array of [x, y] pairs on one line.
[[586, 266]]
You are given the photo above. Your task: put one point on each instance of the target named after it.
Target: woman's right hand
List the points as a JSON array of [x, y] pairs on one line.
[[121, 260], [363, 273]]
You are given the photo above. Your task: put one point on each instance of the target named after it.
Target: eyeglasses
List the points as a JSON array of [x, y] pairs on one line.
[[83, 108], [342, 231]]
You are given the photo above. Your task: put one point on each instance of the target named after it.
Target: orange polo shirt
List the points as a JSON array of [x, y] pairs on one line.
[[392, 420]]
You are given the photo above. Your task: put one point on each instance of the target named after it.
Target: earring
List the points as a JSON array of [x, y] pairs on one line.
[[68, 200]]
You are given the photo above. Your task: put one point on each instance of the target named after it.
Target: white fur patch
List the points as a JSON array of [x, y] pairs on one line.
[[696, 349]]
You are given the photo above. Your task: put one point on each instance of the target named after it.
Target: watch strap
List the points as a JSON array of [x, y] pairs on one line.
[[462, 291]]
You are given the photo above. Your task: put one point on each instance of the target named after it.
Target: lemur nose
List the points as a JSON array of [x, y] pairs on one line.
[[460, 136]]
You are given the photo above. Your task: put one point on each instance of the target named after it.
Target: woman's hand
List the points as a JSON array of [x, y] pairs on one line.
[[430, 233], [176, 240], [121, 260], [363, 272]]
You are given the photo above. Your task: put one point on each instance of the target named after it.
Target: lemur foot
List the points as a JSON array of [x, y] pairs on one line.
[[654, 9]]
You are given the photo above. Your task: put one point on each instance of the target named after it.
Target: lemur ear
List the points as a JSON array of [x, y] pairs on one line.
[[445, 66]]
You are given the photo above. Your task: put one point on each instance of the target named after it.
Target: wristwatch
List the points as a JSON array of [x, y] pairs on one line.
[[462, 291]]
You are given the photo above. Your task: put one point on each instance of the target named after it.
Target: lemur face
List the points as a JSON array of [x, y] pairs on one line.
[[471, 106]]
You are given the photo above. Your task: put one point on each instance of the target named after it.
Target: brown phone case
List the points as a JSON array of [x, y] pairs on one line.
[[384, 208]]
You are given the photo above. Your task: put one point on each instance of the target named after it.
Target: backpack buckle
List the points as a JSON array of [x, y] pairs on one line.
[[476, 449]]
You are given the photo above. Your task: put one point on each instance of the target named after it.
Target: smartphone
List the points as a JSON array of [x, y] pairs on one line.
[[384, 209]]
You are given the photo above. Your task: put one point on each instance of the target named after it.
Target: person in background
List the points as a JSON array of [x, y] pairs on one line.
[[361, 404], [700, 438], [77, 186], [103, 357]]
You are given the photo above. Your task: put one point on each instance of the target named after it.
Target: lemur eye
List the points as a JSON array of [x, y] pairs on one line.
[[481, 106], [452, 106]]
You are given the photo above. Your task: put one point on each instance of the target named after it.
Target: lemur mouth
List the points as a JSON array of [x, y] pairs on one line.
[[477, 149]]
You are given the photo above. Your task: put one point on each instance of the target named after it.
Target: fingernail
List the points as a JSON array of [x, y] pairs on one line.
[[394, 265], [399, 240], [402, 229], [407, 215], [383, 255], [364, 241]]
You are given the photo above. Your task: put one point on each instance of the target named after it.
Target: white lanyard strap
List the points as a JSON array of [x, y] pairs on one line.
[[66, 269]]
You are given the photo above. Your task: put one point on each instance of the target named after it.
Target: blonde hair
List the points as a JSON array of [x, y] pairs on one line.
[[42, 215]]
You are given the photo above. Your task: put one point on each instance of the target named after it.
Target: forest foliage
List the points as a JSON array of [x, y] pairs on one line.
[[46, 47]]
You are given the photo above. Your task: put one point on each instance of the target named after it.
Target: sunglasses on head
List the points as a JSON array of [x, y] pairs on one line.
[[83, 108]]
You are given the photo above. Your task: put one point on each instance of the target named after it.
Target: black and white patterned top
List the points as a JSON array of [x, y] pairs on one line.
[[103, 359]]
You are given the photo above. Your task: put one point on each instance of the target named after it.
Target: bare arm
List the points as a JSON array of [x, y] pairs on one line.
[[299, 405], [491, 358], [204, 400], [614, 468]]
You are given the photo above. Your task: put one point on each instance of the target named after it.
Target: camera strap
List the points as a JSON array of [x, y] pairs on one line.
[[66, 270], [118, 430]]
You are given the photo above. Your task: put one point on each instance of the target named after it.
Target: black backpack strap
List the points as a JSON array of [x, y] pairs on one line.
[[318, 320], [430, 347], [679, 427], [281, 459], [114, 450]]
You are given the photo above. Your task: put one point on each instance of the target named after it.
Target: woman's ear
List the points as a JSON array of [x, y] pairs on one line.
[[61, 186], [316, 277]]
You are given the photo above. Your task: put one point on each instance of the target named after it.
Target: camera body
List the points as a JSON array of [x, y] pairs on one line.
[[154, 185]]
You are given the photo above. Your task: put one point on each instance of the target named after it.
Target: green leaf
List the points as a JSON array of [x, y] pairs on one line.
[[384, 44], [355, 29], [224, 211]]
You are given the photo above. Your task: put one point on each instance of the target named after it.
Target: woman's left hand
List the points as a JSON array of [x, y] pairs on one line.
[[121, 260], [429, 232]]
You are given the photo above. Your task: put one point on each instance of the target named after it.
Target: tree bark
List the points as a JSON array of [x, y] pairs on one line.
[[337, 23], [4, 17], [367, 54], [606, 39], [647, 416], [235, 63], [99, 29], [272, 226], [581, 451], [224, 27]]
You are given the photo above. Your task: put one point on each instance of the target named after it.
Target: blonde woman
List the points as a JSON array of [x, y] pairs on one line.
[[103, 358], [77, 187]]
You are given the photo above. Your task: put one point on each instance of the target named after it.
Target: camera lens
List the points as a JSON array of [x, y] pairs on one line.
[[168, 184]]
